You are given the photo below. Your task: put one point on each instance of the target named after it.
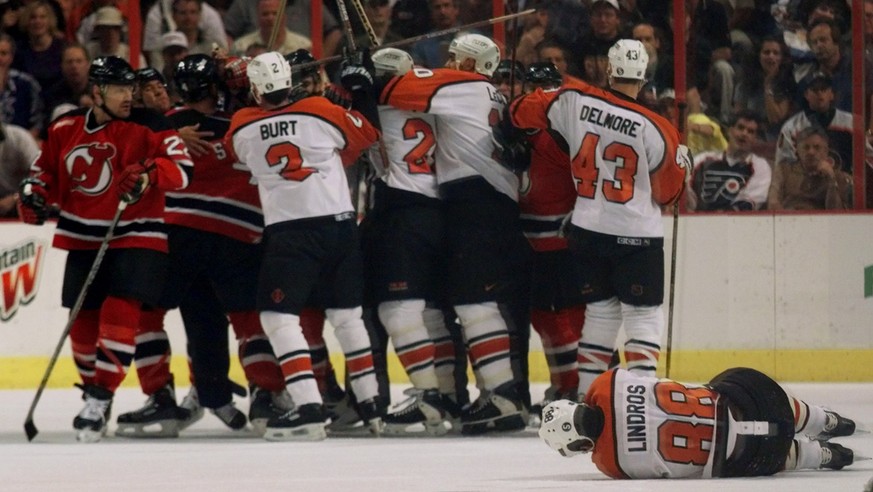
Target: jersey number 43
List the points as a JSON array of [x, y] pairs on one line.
[[620, 189]]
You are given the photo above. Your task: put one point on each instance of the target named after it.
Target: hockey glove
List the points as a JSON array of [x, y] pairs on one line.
[[338, 96], [32, 201], [512, 146], [135, 180], [357, 71]]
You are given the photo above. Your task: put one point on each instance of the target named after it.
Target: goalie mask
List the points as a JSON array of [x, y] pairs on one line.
[[628, 59], [268, 72], [391, 61], [570, 428], [478, 47]]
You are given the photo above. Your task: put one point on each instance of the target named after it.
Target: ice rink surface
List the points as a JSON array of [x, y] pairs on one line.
[[208, 457]]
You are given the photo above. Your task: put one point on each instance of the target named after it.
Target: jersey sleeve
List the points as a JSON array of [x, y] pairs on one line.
[[530, 111], [358, 132], [669, 168], [174, 165], [416, 90], [600, 395]]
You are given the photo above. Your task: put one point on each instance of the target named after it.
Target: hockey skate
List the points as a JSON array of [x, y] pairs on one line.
[[304, 423], [499, 410], [230, 416], [266, 405], [343, 416], [836, 426], [371, 413], [424, 413], [159, 417], [191, 405], [835, 457], [92, 421]]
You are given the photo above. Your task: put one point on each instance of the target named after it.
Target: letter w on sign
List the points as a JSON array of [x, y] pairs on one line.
[[20, 268]]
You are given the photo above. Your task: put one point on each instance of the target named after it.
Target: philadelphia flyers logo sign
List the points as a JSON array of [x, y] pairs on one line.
[[90, 167]]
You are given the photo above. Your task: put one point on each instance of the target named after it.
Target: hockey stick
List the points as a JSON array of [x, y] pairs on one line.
[[275, 32], [371, 33], [672, 288], [421, 37], [29, 427]]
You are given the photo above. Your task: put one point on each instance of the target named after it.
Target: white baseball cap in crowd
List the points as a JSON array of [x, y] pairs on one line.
[[108, 16], [613, 3], [173, 38]]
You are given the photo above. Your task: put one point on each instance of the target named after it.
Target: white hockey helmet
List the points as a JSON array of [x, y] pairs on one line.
[[562, 429], [628, 60], [391, 61], [478, 47], [269, 72]]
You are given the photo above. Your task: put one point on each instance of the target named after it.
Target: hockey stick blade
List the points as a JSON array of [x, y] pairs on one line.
[[30, 429]]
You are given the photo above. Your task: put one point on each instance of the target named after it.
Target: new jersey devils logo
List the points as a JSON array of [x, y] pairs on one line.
[[90, 167]]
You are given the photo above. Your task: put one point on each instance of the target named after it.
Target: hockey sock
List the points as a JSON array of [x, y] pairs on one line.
[[152, 354], [444, 349], [83, 339], [291, 349], [602, 322], [808, 419], [643, 326], [804, 455], [353, 338], [119, 319], [404, 322], [255, 352], [487, 343], [312, 322], [560, 342]]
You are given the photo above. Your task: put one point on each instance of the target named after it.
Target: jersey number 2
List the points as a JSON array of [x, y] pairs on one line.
[[585, 170], [420, 158], [287, 155]]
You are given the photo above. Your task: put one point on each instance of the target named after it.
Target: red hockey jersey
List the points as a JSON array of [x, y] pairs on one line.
[[221, 199], [81, 163], [547, 193]]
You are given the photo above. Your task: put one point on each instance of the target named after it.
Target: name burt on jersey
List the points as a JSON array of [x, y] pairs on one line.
[[636, 418], [277, 129], [609, 120]]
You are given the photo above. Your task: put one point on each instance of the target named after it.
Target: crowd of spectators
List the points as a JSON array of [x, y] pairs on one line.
[[789, 61]]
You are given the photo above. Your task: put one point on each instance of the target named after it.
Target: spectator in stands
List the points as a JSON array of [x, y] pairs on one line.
[[12, 17], [108, 25], [242, 18], [255, 49], [824, 41], [39, 53], [604, 30], [659, 74], [160, 20], [187, 15], [820, 111], [552, 51], [868, 32], [709, 69], [20, 102], [767, 84], [18, 150], [434, 52], [379, 13], [594, 67], [410, 17], [507, 83], [74, 79], [286, 41], [704, 133], [733, 180], [80, 23], [174, 47], [813, 181]]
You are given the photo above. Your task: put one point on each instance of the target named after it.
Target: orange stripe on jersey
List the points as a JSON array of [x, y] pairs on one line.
[[414, 90], [601, 395], [489, 347], [635, 356]]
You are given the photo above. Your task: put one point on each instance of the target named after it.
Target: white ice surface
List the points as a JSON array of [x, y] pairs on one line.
[[208, 457]]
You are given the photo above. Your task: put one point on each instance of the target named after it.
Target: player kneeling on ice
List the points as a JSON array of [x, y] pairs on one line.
[[741, 424]]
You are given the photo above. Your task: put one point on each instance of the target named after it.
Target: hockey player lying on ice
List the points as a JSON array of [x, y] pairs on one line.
[[741, 424]]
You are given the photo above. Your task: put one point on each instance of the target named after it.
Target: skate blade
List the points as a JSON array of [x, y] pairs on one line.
[[154, 430], [259, 426], [191, 420], [509, 423], [88, 435], [306, 432]]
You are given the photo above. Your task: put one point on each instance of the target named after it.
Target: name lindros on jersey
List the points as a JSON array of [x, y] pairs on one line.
[[609, 120], [278, 129], [635, 418]]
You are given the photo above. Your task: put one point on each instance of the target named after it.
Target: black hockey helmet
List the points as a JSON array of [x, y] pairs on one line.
[[503, 70], [299, 57], [148, 74], [543, 73], [111, 70], [195, 75]]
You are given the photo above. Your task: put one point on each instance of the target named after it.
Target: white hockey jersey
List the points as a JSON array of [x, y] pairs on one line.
[[410, 144], [466, 107], [296, 154], [624, 157], [653, 428]]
